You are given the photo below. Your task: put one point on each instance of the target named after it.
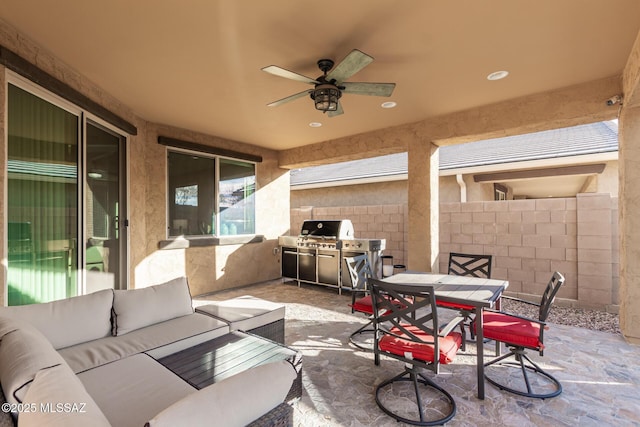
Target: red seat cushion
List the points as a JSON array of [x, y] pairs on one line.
[[365, 305], [511, 330], [449, 345], [455, 306]]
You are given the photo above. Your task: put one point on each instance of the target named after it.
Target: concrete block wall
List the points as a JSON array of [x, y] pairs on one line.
[[529, 240]]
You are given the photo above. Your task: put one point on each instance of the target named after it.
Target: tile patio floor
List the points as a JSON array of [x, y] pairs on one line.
[[599, 371]]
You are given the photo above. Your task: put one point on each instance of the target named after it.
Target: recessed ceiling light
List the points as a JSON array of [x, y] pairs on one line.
[[315, 124], [497, 75], [388, 104]]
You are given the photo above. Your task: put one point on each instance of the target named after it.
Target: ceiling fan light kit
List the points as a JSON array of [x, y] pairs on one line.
[[325, 97], [328, 88]]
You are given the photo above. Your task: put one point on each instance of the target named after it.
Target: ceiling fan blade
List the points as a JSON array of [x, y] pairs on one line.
[[371, 89], [281, 72], [288, 98], [351, 64], [337, 112]]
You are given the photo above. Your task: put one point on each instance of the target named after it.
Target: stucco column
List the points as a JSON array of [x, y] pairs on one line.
[[423, 201], [629, 223]]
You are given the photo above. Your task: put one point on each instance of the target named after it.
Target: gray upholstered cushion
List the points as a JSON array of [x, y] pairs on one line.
[[69, 321], [23, 352], [235, 401], [58, 386], [134, 389], [181, 331], [244, 313], [137, 308]]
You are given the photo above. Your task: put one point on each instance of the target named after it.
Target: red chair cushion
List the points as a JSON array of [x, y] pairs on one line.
[[449, 345], [455, 306], [511, 330], [363, 305]]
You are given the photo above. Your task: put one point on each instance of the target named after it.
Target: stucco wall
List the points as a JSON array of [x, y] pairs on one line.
[[212, 268], [384, 193]]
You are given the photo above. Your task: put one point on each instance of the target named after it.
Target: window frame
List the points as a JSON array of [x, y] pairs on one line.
[[216, 205]]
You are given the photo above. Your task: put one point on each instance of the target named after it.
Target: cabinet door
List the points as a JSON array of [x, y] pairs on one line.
[[307, 265], [328, 267], [290, 263]]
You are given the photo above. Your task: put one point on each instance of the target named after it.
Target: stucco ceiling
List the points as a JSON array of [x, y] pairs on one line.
[[196, 64]]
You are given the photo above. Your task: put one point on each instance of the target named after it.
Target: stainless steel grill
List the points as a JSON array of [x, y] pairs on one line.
[[317, 254]]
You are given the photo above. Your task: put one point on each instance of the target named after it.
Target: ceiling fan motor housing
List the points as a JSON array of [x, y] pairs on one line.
[[325, 65]]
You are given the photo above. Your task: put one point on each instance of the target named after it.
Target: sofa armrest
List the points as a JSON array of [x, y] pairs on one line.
[[235, 401]]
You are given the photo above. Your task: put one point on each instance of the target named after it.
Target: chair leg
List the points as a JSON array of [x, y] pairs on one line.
[[411, 374], [526, 366], [365, 329]]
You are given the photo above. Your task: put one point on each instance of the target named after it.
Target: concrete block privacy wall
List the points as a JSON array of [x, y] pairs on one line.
[[529, 240]]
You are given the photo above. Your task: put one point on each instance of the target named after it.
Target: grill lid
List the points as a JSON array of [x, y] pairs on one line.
[[330, 229]]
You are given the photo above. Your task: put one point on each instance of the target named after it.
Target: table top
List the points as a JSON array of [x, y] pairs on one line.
[[217, 359], [476, 291]]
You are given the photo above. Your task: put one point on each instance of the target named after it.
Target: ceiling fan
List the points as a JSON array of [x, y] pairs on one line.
[[328, 88]]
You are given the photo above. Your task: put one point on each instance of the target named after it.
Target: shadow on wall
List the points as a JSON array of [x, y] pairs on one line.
[[216, 268]]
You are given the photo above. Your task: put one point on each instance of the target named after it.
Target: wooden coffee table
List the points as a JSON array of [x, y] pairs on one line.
[[217, 359]]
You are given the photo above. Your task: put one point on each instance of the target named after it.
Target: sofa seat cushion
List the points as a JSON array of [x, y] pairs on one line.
[[23, 352], [136, 308], [60, 391], [244, 313], [69, 321], [132, 390], [194, 328], [235, 401]]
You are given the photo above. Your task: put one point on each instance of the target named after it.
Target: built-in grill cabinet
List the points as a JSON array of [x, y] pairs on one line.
[[317, 254]]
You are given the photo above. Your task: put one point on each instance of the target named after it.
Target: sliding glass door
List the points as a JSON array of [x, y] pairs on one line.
[[42, 209], [104, 186], [62, 218]]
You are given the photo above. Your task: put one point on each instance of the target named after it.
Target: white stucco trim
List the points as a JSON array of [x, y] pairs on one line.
[[501, 167], [531, 164]]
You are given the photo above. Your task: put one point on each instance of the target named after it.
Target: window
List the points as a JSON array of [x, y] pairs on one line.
[[500, 192], [210, 196]]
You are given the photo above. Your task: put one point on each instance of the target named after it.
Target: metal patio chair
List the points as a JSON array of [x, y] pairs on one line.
[[466, 265], [359, 271], [519, 334], [409, 332]]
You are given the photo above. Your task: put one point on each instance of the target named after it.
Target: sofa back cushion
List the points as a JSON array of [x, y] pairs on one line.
[[69, 321], [23, 352], [60, 400], [137, 308]]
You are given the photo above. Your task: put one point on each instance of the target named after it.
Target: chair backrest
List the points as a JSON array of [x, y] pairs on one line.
[[406, 310], [359, 270], [549, 295], [470, 265]]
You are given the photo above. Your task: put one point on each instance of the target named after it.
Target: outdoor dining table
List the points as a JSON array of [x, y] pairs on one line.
[[477, 292]]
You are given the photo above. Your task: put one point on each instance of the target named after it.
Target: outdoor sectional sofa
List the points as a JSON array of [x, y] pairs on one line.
[[94, 360]]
